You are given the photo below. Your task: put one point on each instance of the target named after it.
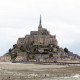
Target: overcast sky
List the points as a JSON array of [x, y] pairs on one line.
[[60, 17]]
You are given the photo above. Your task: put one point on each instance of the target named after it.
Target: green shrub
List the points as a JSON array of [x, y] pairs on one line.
[[14, 46], [51, 55], [66, 50], [23, 49], [13, 56]]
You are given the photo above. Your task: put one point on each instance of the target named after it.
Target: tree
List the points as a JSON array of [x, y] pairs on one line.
[[33, 57], [66, 50], [22, 48], [57, 48], [28, 57], [10, 50], [14, 46], [13, 56], [51, 49], [51, 55], [31, 44]]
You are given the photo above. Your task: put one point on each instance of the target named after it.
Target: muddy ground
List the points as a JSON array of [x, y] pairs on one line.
[[16, 71]]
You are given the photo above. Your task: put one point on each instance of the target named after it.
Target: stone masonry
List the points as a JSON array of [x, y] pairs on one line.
[[40, 37]]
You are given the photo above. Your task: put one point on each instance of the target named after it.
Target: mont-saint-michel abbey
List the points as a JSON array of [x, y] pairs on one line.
[[39, 40], [39, 46], [40, 37]]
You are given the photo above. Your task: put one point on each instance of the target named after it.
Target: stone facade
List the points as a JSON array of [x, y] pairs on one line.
[[40, 37], [21, 56]]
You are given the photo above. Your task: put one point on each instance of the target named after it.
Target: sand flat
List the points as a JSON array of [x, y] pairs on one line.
[[20, 71], [10, 65]]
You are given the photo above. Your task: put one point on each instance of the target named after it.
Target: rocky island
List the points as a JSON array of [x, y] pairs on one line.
[[39, 46]]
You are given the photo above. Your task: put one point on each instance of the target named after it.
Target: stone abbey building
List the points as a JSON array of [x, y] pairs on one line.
[[40, 37]]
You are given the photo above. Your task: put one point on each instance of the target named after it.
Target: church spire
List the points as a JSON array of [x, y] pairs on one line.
[[40, 25]]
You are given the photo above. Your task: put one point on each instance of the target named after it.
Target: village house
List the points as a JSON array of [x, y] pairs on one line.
[[5, 58]]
